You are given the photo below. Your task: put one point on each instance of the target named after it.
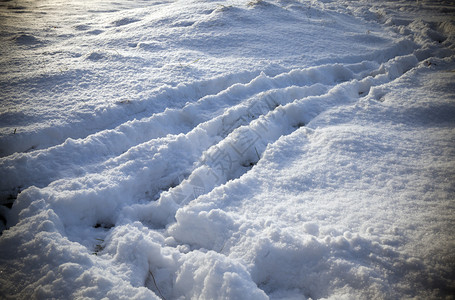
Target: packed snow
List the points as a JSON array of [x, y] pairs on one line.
[[264, 149]]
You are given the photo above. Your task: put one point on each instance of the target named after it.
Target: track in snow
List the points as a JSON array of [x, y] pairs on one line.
[[182, 153], [150, 166]]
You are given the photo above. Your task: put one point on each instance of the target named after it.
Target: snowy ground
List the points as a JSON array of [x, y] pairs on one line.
[[275, 149]]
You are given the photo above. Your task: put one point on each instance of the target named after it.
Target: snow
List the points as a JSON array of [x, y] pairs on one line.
[[269, 149]]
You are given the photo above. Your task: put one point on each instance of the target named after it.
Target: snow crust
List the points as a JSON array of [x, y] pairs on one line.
[[276, 149]]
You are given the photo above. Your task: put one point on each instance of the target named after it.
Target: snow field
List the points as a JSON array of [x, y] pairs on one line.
[[62, 61], [325, 181]]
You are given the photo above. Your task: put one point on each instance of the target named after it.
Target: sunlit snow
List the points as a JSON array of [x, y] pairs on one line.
[[265, 149]]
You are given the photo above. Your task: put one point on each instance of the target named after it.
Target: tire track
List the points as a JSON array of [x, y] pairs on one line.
[[104, 149], [242, 147], [231, 131]]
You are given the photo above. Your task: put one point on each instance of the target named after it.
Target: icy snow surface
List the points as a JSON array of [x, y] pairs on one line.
[[268, 149]]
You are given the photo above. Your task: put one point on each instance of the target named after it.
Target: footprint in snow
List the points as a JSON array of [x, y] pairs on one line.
[[124, 21], [95, 32], [26, 40], [95, 56], [82, 27]]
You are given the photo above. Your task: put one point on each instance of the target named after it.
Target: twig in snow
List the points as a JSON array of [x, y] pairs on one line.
[[188, 64], [257, 153], [156, 286]]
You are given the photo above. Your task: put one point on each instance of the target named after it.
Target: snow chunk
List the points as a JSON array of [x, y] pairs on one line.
[[214, 276]]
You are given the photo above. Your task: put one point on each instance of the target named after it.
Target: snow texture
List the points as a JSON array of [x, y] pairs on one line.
[[265, 149]]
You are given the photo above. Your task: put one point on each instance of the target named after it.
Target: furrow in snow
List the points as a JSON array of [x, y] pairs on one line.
[[153, 166], [122, 111], [243, 147], [90, 154]]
